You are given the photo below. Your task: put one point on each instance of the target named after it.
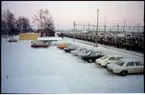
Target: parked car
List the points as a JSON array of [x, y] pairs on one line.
[[78, 50], [70, 48], [91, 56], [83, 51], [63, 45], [39, 44], [12, 40], [107, 59], [125, 66]]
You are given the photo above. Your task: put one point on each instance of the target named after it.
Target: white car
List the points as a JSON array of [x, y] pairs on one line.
[[107, 59], [77, 51], [125, 66]]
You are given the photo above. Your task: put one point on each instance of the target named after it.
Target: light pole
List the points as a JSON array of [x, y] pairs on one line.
[[105, 25], [58, 28], [138, 27], [117, 28], [74, 23], [97, 26], [124, 27]]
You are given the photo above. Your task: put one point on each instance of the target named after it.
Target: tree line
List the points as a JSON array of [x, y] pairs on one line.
[[10, 25]]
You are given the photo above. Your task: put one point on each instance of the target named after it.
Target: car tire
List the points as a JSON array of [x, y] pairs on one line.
[[123, 73], [90, 60], [99, 64]]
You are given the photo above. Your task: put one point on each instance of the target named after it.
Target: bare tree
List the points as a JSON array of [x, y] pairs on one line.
[[8, 19], [45, 20], [22, 24]]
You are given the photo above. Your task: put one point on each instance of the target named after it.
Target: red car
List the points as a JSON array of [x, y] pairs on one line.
[[39, 44]]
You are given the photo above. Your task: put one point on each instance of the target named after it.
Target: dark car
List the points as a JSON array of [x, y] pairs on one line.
[[70, 48], [92, 56], [12, 40]]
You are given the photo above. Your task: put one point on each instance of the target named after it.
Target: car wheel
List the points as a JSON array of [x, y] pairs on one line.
[[90, 60], [123, 73], [99, 64]]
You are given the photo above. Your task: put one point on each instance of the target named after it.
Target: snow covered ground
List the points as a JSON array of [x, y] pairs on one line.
[[52, 70]]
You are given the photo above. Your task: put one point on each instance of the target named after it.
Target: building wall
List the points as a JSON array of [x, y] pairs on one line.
[[29, 36]]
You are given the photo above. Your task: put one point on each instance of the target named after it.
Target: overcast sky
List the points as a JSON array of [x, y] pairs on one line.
[[83, 12]]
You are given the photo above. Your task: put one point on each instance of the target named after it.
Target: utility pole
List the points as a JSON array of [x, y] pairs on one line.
[[94, 27], [89, 27], [124, 26], [97, 26], [138, 27], [117, 27], [105, 25], [58, 27], [74, 23]]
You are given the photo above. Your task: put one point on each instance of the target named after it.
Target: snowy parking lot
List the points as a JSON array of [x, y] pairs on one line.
[[51, 70]]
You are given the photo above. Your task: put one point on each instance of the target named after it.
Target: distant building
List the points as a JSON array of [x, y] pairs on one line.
[[28, 36], [46, 32]]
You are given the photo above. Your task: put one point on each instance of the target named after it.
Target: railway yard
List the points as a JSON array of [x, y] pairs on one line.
[[127, 40]]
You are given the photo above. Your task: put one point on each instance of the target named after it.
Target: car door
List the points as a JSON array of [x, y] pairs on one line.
[[138, 67], [93, 56], [130, 67]]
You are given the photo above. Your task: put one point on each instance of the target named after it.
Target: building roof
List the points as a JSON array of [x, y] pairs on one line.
[[28, 33], [49, 38]]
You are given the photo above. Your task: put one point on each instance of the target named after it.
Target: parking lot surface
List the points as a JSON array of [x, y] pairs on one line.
[[51, 70]]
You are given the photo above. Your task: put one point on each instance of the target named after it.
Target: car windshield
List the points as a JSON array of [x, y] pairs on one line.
[[88, 53], [120, 63]]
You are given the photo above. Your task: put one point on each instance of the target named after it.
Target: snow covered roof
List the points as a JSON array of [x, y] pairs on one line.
[[49, 38], [28, 33]]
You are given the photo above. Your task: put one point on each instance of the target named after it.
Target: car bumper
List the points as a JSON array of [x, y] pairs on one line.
[[98, 63], [109, 69]]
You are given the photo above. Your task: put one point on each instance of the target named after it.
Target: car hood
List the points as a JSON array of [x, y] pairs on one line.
[[99, 60]]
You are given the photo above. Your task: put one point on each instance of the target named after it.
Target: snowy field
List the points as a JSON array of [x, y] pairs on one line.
[[52, 70]]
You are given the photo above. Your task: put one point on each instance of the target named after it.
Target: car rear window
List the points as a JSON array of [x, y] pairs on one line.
[[138, 64]]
